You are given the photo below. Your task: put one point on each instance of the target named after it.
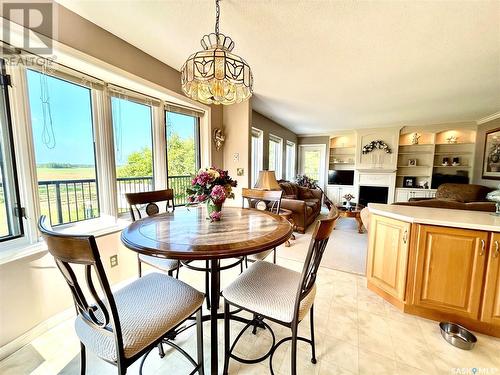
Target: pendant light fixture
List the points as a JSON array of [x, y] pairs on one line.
[[215, 75]]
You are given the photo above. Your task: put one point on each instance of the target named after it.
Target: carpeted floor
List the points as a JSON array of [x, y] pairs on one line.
[[346, 249]]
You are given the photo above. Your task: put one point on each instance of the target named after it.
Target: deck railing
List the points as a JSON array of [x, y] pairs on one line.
[[67, 201]]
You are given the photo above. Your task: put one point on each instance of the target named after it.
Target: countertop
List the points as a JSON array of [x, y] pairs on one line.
[[439, 216]]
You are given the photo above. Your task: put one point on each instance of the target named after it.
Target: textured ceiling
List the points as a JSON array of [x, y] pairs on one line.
[[321, 66]]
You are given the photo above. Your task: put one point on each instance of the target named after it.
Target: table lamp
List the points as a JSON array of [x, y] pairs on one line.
[[267, 181]]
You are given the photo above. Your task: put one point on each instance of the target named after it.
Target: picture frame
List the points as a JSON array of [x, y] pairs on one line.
[[409, 182], [491, 155], [412, 162]]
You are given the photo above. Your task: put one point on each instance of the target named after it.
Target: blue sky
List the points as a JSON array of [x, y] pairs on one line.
[[72, 123]]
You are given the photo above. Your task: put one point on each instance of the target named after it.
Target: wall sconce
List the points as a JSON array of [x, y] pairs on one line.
[[219, 138]]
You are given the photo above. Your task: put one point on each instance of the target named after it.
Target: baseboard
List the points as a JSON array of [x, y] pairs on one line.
[[33, 333]]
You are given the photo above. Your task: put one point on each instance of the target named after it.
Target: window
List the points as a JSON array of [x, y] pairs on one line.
[[256, 155], [63, 141], [10, 218], [183, 152], [290, 160], [133, 140], [276, 155]]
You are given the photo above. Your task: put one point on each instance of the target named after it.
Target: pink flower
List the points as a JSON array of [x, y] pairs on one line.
[[201, 198], [218, 194], [190, 199], [216, 216], [204, 178]]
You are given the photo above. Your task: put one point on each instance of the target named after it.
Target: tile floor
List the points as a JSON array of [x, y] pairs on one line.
[[357, 333]]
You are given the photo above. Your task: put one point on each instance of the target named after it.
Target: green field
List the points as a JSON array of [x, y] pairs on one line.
[[45, 174]]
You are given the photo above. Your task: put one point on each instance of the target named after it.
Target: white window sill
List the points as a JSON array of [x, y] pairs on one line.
[[98, 227]]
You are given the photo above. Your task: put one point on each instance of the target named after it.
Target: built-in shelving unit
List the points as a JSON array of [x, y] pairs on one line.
[[342, 152], [441, 152]]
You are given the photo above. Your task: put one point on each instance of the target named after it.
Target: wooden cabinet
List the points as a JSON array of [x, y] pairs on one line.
[[336, 192], [491, 296], [404, 194], [449, 269], [388, 255]]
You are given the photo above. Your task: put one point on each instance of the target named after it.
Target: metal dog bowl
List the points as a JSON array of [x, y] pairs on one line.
[[457, 335]]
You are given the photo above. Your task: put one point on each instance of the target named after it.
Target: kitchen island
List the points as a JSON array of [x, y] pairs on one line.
[[437, 263]]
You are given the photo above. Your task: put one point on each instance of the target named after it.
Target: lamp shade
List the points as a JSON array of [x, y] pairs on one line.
[[267, 181]]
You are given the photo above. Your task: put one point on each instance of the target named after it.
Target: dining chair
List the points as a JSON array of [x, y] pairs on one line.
[[278, 294], [266, 200], [123, 326], [148, 202]]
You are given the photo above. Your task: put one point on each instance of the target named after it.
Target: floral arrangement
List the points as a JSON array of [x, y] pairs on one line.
[[303, 180], [211, 186], [379, 145]]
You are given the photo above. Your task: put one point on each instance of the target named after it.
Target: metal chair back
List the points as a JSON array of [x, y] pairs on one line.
[[70, 251], [317, 246], [150, 199], [271, 198]]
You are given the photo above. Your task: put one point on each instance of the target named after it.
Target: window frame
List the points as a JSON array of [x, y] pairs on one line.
[[277, 143], [96, 135], [290, 161], [10, 149], [257, 156], [133, 99]]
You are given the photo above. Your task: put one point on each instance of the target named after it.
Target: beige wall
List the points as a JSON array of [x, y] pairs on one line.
[[268, 126], [31, 288], [237, 120], [478, 158]]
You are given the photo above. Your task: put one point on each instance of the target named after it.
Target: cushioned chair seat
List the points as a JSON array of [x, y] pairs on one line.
[[147, 308], [159, 263], [269, 290]]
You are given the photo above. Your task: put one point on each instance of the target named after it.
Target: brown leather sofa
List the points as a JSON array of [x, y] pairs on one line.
[[457, 197], [304, 203]]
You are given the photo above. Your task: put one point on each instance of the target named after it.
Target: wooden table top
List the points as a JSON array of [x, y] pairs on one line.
[[187, 234]]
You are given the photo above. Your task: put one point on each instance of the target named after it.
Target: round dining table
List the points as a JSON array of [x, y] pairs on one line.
[[188, 235]]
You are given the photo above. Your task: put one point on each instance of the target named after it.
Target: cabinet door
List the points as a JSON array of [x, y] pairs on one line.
[[388, 255], [449, 269], [401, 195], [491, 294]]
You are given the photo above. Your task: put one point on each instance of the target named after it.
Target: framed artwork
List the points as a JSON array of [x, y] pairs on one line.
[[409, 182], [491, 157], [412, 162]]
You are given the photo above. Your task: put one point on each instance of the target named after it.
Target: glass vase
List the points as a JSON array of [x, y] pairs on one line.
[[214, 211]]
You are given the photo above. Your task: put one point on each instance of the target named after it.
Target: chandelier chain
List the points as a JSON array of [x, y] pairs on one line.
[[217, 16]]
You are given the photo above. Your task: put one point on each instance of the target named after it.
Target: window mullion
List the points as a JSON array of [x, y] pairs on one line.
[[105, 153], [159, 148], [23, 140]]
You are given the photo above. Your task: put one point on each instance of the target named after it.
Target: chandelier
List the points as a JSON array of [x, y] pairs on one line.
[[215, 75]]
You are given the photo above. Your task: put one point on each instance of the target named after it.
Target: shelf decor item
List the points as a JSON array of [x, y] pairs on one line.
[[414, 138], [452, 139], [211, 186], [491, 157], [215, 75], [456, 161], [376, 145], [412, 162], [494, 196], [409, 182]]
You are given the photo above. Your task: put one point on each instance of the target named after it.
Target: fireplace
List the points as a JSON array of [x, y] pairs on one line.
[[373, 194]]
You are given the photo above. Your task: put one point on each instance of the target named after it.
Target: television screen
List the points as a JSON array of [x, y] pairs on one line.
[[341, 177]]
